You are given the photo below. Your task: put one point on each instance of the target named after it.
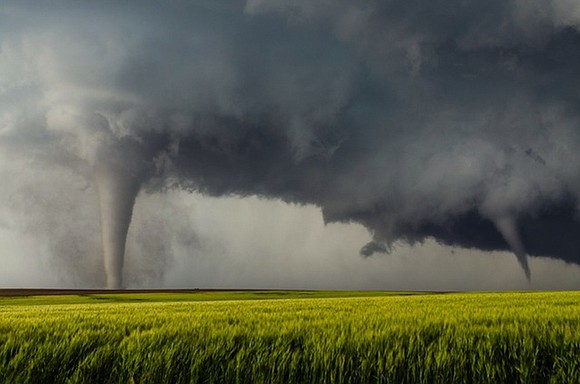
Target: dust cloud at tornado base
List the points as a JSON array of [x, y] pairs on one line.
[[452, 123]]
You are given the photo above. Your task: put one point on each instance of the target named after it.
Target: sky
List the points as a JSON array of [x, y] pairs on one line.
[[289, 144]]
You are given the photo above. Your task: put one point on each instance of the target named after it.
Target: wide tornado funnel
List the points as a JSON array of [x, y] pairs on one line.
[[117, 190]]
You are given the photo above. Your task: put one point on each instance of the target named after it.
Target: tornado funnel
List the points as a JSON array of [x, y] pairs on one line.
[[117, 190], [507, 227]]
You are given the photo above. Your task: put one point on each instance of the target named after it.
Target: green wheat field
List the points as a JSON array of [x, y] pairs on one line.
[[291, 337]]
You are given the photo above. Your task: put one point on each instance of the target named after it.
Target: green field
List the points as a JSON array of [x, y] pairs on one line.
[[291, 337]]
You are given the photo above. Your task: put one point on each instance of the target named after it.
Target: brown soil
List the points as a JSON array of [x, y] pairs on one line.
[[52, 291]]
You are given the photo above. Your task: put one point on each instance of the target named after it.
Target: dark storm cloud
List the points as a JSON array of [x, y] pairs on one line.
[[456, 120]]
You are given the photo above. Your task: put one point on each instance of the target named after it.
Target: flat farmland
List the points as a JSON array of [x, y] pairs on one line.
[[289, 337]]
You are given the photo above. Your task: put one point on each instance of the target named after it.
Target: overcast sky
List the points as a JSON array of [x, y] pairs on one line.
[[284, 144]]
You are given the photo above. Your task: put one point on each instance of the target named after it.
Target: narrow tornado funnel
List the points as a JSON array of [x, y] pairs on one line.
[[117, 190], [507, 227]]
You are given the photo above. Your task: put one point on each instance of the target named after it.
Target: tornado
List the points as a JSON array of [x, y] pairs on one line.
[[507, 227], [117, 189], [461, 128]]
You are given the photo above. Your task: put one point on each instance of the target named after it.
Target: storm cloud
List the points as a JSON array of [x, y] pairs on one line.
[[448, 121]]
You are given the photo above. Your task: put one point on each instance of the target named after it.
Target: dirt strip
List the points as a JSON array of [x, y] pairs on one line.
[[52, 291]]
